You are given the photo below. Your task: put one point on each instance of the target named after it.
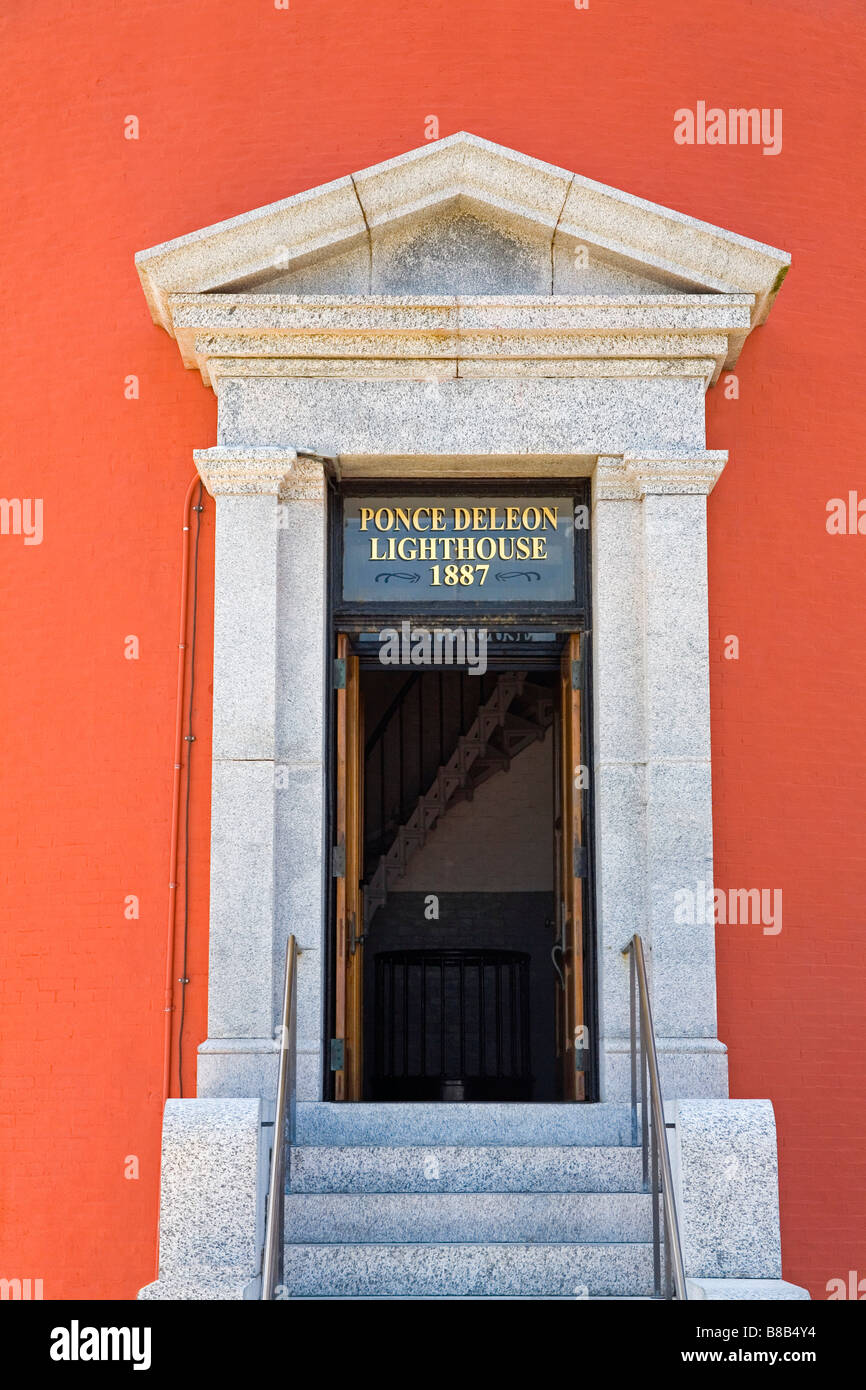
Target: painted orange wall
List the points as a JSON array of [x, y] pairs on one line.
[[240, 104]]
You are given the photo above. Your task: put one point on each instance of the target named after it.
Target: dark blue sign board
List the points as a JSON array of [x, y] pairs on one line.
[[492, 550]]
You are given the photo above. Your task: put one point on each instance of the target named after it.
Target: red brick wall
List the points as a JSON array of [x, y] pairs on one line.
[[240, 104]]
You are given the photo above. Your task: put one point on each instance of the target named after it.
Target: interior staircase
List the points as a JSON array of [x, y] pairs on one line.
[[456, 1201], [516, 714]]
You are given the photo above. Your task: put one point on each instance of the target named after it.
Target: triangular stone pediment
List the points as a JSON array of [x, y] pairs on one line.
[[462, 216], [462, 248]]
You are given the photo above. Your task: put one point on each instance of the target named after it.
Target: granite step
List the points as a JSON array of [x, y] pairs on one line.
[[320, 1123], [567, 1269], [467, 1217], [463, 1168]]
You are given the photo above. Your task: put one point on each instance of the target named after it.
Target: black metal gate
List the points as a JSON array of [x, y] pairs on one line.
[[452, 1025]]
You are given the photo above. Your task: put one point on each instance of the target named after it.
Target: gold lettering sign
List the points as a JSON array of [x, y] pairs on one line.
[[444, 550]]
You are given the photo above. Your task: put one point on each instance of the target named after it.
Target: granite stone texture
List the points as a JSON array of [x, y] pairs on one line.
[[268, 771], [669, 242], [240, 983], [653, 794], [467, 322], [579, 269], [463, 166], [376, 1209], [619, 808], [245, 472], [653, 822], [478, 1123], [678, 854], [300, 774], [456, 252], [591, 363], [462, 175], [618, 617], [211, 1199], [246, 246], [245, 604], [300, 798], [271, 335], [466, 249], [206, 1287], [301, 584], [465, 1168], [339, 272], [687, 1066], [677, 686], [384, 1218], [237, 1067], [491, 1270], [727, 1189], [369, 419], [740, 1289], [308, 1071], [309, 1001]]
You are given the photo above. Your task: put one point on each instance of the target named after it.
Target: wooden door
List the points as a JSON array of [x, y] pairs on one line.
[[572, 868], [348, 868]]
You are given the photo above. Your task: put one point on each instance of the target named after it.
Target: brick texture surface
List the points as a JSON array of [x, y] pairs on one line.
[[240, 104]]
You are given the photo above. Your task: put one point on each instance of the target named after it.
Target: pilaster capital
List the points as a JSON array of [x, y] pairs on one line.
[[238, 472], [632, 477]]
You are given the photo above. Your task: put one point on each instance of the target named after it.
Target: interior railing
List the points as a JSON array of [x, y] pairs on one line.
[[670, 1282], [284, 1132], [451, 1025]]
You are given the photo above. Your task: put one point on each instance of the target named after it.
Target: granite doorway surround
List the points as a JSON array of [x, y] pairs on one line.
[[460, 311]]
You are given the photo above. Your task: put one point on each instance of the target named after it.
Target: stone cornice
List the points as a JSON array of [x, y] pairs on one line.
[[493, 335], [279, 473], [458, 314], [630, 477], [429, 370], [679, 250]]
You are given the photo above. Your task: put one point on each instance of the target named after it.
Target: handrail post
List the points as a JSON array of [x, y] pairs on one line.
[[654, 1140], [644, 1108], [273, 1243], [633, 1025], [657, 1249]]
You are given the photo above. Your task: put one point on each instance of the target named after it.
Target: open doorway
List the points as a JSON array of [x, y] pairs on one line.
[[460, 913], [459, 924]]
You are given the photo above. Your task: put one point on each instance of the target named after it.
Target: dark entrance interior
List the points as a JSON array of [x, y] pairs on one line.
[[459, 866]]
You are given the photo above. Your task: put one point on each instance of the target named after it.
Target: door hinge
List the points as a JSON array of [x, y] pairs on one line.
[[581, 1059], [355, 938], [338, 861], [580, 861], [338, 1054], [577, 674], [340, 673]]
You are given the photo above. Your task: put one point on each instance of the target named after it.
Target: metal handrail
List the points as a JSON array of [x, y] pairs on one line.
[[284, 1131], [398, 699], [654, 1140]]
